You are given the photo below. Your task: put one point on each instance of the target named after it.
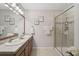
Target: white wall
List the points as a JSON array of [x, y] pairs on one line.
[[41, 39], [76, 26]]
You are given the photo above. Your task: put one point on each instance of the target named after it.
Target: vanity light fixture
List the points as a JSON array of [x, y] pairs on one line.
[[17, 8], [13, 7], [41, 18]]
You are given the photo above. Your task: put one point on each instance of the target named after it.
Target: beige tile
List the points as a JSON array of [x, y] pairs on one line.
[[45, 52]]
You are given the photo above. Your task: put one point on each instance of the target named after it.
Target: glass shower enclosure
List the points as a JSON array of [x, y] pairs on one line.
[[64, 31]]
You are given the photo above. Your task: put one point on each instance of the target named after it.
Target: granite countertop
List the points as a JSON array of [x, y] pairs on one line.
[[5, 48], [8, 36]]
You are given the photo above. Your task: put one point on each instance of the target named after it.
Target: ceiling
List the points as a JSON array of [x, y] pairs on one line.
[[41, 6], [45, 6]]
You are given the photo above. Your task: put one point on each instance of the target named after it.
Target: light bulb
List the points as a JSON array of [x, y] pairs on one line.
[[6, 5], [14, 4], [10, 8], [17, 8], [22, 12]]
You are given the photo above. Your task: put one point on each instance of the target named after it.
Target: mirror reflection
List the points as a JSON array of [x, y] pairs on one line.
[[10, 22]]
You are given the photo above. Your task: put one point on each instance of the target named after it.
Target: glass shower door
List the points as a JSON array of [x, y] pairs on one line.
[[64, 33], [68, 34], [58, 33]]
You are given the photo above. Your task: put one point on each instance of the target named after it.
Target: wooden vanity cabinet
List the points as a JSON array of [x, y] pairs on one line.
[[30, 46], [26, 49], [22, 54], [21, 51]]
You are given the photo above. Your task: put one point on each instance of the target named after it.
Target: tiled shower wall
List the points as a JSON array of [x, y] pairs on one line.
[[65, 38]]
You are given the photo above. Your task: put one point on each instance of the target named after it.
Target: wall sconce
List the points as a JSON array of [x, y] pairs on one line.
[[6, 18], [41, 18], [36, 22]]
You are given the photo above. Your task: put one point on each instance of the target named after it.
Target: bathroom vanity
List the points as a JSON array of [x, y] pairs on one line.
[[11, 22], [25, 49], [22, 49]]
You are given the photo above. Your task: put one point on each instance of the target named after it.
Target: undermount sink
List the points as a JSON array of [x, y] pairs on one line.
[[14, 42], [10, 34]]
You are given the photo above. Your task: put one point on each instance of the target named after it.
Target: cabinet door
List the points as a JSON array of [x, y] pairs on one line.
[[21, 50], [26, 51], [30, 46]]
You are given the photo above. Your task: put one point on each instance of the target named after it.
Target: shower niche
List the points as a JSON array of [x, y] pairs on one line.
[[64, 31]]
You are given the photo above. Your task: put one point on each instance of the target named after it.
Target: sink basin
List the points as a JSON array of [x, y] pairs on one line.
[[14, 42], [10, 34], [17, 41]]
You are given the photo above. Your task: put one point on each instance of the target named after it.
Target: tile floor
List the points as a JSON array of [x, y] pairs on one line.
[[45, 52]]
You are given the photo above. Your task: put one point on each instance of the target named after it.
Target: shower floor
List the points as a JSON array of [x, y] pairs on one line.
[[63, 50]]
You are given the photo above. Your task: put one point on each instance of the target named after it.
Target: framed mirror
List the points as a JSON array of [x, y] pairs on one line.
[[10, 21]]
